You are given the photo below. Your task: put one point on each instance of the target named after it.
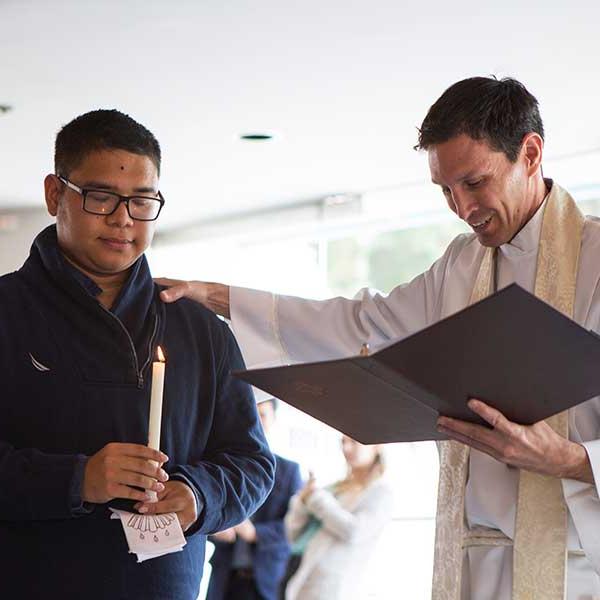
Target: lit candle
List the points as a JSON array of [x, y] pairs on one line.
[[156, 400]]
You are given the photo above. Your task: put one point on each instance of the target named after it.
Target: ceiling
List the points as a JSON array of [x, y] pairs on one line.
[[343, 84]]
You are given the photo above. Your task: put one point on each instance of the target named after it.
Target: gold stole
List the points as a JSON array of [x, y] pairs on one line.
[[539, 555]]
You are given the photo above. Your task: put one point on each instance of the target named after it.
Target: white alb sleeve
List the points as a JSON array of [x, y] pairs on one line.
[[273, 329]]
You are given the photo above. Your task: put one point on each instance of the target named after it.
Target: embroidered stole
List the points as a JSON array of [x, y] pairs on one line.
[[539, 554]]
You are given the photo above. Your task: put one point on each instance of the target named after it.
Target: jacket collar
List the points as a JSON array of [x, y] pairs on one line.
[[137, 305]]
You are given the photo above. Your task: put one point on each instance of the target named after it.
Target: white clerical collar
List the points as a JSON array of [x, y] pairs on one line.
[[528, 238]]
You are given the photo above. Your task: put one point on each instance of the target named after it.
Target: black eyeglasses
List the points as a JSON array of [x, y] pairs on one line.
[[102, 202]]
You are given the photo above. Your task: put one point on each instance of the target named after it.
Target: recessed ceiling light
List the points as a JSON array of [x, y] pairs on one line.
[[256, 137]]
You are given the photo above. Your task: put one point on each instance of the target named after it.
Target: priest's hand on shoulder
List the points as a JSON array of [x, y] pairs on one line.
[[177, 497], [536, 448], [215, 296], [118, 469]]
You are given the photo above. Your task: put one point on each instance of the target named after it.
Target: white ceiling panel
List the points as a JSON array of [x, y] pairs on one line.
[[344, 85]]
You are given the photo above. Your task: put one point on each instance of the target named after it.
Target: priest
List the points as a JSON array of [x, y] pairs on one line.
[[518, 507]]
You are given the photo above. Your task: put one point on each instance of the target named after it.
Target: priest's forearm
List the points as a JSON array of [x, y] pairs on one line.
[[578, 464], [217, 299]]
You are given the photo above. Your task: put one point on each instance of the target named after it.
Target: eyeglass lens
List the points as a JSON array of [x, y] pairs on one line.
[[140, 207]]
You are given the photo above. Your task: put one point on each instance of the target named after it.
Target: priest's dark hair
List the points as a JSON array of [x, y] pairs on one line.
[[498, 111], [102, 130]]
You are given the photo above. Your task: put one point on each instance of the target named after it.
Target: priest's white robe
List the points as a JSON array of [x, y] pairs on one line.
[[275, 329]]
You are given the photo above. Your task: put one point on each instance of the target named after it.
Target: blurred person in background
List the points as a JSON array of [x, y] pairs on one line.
[[250, 559], [333, 529]]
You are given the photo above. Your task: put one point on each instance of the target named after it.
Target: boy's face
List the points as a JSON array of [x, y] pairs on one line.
[[103, 244]]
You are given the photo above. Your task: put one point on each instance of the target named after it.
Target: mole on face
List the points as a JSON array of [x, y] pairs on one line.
[[122, 168]]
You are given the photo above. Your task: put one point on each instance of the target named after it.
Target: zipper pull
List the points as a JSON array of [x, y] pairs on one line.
[[140, 381]]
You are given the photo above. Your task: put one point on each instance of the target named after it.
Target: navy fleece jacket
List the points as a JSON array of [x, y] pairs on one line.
[[74, 377]]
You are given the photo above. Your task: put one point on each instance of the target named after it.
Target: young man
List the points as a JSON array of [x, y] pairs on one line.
[[80, 323], [529, 495], [250, 559]]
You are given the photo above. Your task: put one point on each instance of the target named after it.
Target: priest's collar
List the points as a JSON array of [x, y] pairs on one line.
[[528, 238]]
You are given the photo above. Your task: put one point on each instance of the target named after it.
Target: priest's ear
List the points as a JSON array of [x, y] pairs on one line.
[[532, 150], [53, 188]]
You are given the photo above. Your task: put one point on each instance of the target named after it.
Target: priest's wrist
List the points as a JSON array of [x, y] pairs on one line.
[[217, 299], [578, 464]]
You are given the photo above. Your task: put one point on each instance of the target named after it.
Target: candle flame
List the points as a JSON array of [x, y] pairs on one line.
[[160, 354]]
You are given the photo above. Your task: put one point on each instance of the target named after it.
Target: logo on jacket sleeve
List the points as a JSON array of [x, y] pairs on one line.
[[37, 364]]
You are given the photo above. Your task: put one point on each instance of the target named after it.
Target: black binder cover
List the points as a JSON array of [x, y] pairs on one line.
[[510, 350]]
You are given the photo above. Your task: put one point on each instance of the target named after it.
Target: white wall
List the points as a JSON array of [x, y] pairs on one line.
[[18, 228]]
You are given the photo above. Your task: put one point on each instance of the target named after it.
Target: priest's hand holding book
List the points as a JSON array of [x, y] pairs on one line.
[[536, 447]]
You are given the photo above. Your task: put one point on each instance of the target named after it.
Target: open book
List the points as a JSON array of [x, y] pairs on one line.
[[510, 350]]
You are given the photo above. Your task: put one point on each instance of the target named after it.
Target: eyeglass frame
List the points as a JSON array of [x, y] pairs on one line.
[[122, 199]]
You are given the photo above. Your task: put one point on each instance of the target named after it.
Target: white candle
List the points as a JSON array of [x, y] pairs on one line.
[[156, 400]]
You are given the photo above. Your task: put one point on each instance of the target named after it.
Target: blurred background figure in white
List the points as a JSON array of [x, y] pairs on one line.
[[332, 528]]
